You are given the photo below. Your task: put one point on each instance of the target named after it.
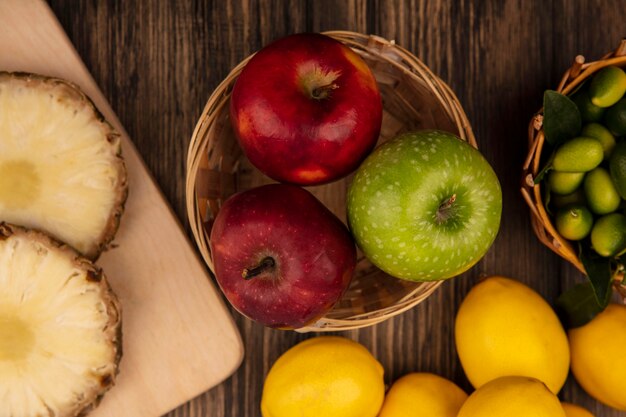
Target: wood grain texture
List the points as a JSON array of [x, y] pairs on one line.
[[157, 63]]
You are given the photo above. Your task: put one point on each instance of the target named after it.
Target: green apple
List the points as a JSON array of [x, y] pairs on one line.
[[425, 206]]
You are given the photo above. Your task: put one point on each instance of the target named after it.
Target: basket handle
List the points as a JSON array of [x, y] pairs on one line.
[[579, 65]]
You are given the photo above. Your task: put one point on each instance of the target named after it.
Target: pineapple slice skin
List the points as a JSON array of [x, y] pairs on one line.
[[112, 330], [71, 91]]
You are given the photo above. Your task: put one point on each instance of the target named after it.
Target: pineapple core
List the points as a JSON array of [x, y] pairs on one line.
[[19, 184], [16, 338], [60, 165], [59, 328]]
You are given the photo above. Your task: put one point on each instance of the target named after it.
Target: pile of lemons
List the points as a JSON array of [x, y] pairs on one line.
[[513, 350], [588, 180], [517, 355]]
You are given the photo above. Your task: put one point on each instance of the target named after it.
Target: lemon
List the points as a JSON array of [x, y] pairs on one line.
[[324, 376], [512, 396], [564, 183], [607, 86], [598, 360], [617, 166], [602, 135], [608, 236], [573, 410], [505, 328], [574, 222], [580, 154], [423, 395], [602, 196], [615, 118], [588, 111]]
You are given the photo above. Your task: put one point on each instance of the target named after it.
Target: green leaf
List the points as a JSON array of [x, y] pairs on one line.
[[561, 118], [599, 272], [579, 304], [547, 168], [547, 198]]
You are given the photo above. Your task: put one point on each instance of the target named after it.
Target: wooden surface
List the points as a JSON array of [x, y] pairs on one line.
[[179, 340], [158, 61]]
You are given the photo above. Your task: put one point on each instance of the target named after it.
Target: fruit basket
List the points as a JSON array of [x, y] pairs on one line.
[[542, 223], [413, 98]]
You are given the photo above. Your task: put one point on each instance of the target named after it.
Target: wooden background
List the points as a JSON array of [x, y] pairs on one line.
[[158, 61]]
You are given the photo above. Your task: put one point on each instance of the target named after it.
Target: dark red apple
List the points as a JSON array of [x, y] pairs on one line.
[[280, 256], [306, 109]]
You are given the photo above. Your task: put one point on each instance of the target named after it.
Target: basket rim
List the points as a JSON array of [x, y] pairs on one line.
[[364, 44], [541, 222]]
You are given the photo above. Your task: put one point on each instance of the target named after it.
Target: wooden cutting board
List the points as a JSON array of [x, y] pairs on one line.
[[179, 340]]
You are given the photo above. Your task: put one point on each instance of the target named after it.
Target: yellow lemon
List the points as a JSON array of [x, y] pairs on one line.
[[603, 135], [598, 360], [607, 86], [574, 222], [505, 328], [573, 410], [423, 395], [324, 376], [512, 396], [608, 236], [601, 193], [564, 183], [580, 154]]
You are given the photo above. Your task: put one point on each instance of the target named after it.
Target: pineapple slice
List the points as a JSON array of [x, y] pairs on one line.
[[60, 328], [60, 166]]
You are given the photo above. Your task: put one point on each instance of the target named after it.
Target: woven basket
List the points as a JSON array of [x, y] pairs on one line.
[[532, 193], [413, 98]]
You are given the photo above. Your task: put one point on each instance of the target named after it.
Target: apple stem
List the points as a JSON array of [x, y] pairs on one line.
[[448, 203], [444, 208], [265, 264], [322, 92]]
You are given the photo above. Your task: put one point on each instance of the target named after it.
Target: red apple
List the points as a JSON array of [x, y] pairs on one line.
[[280, 256], [306, 109]]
